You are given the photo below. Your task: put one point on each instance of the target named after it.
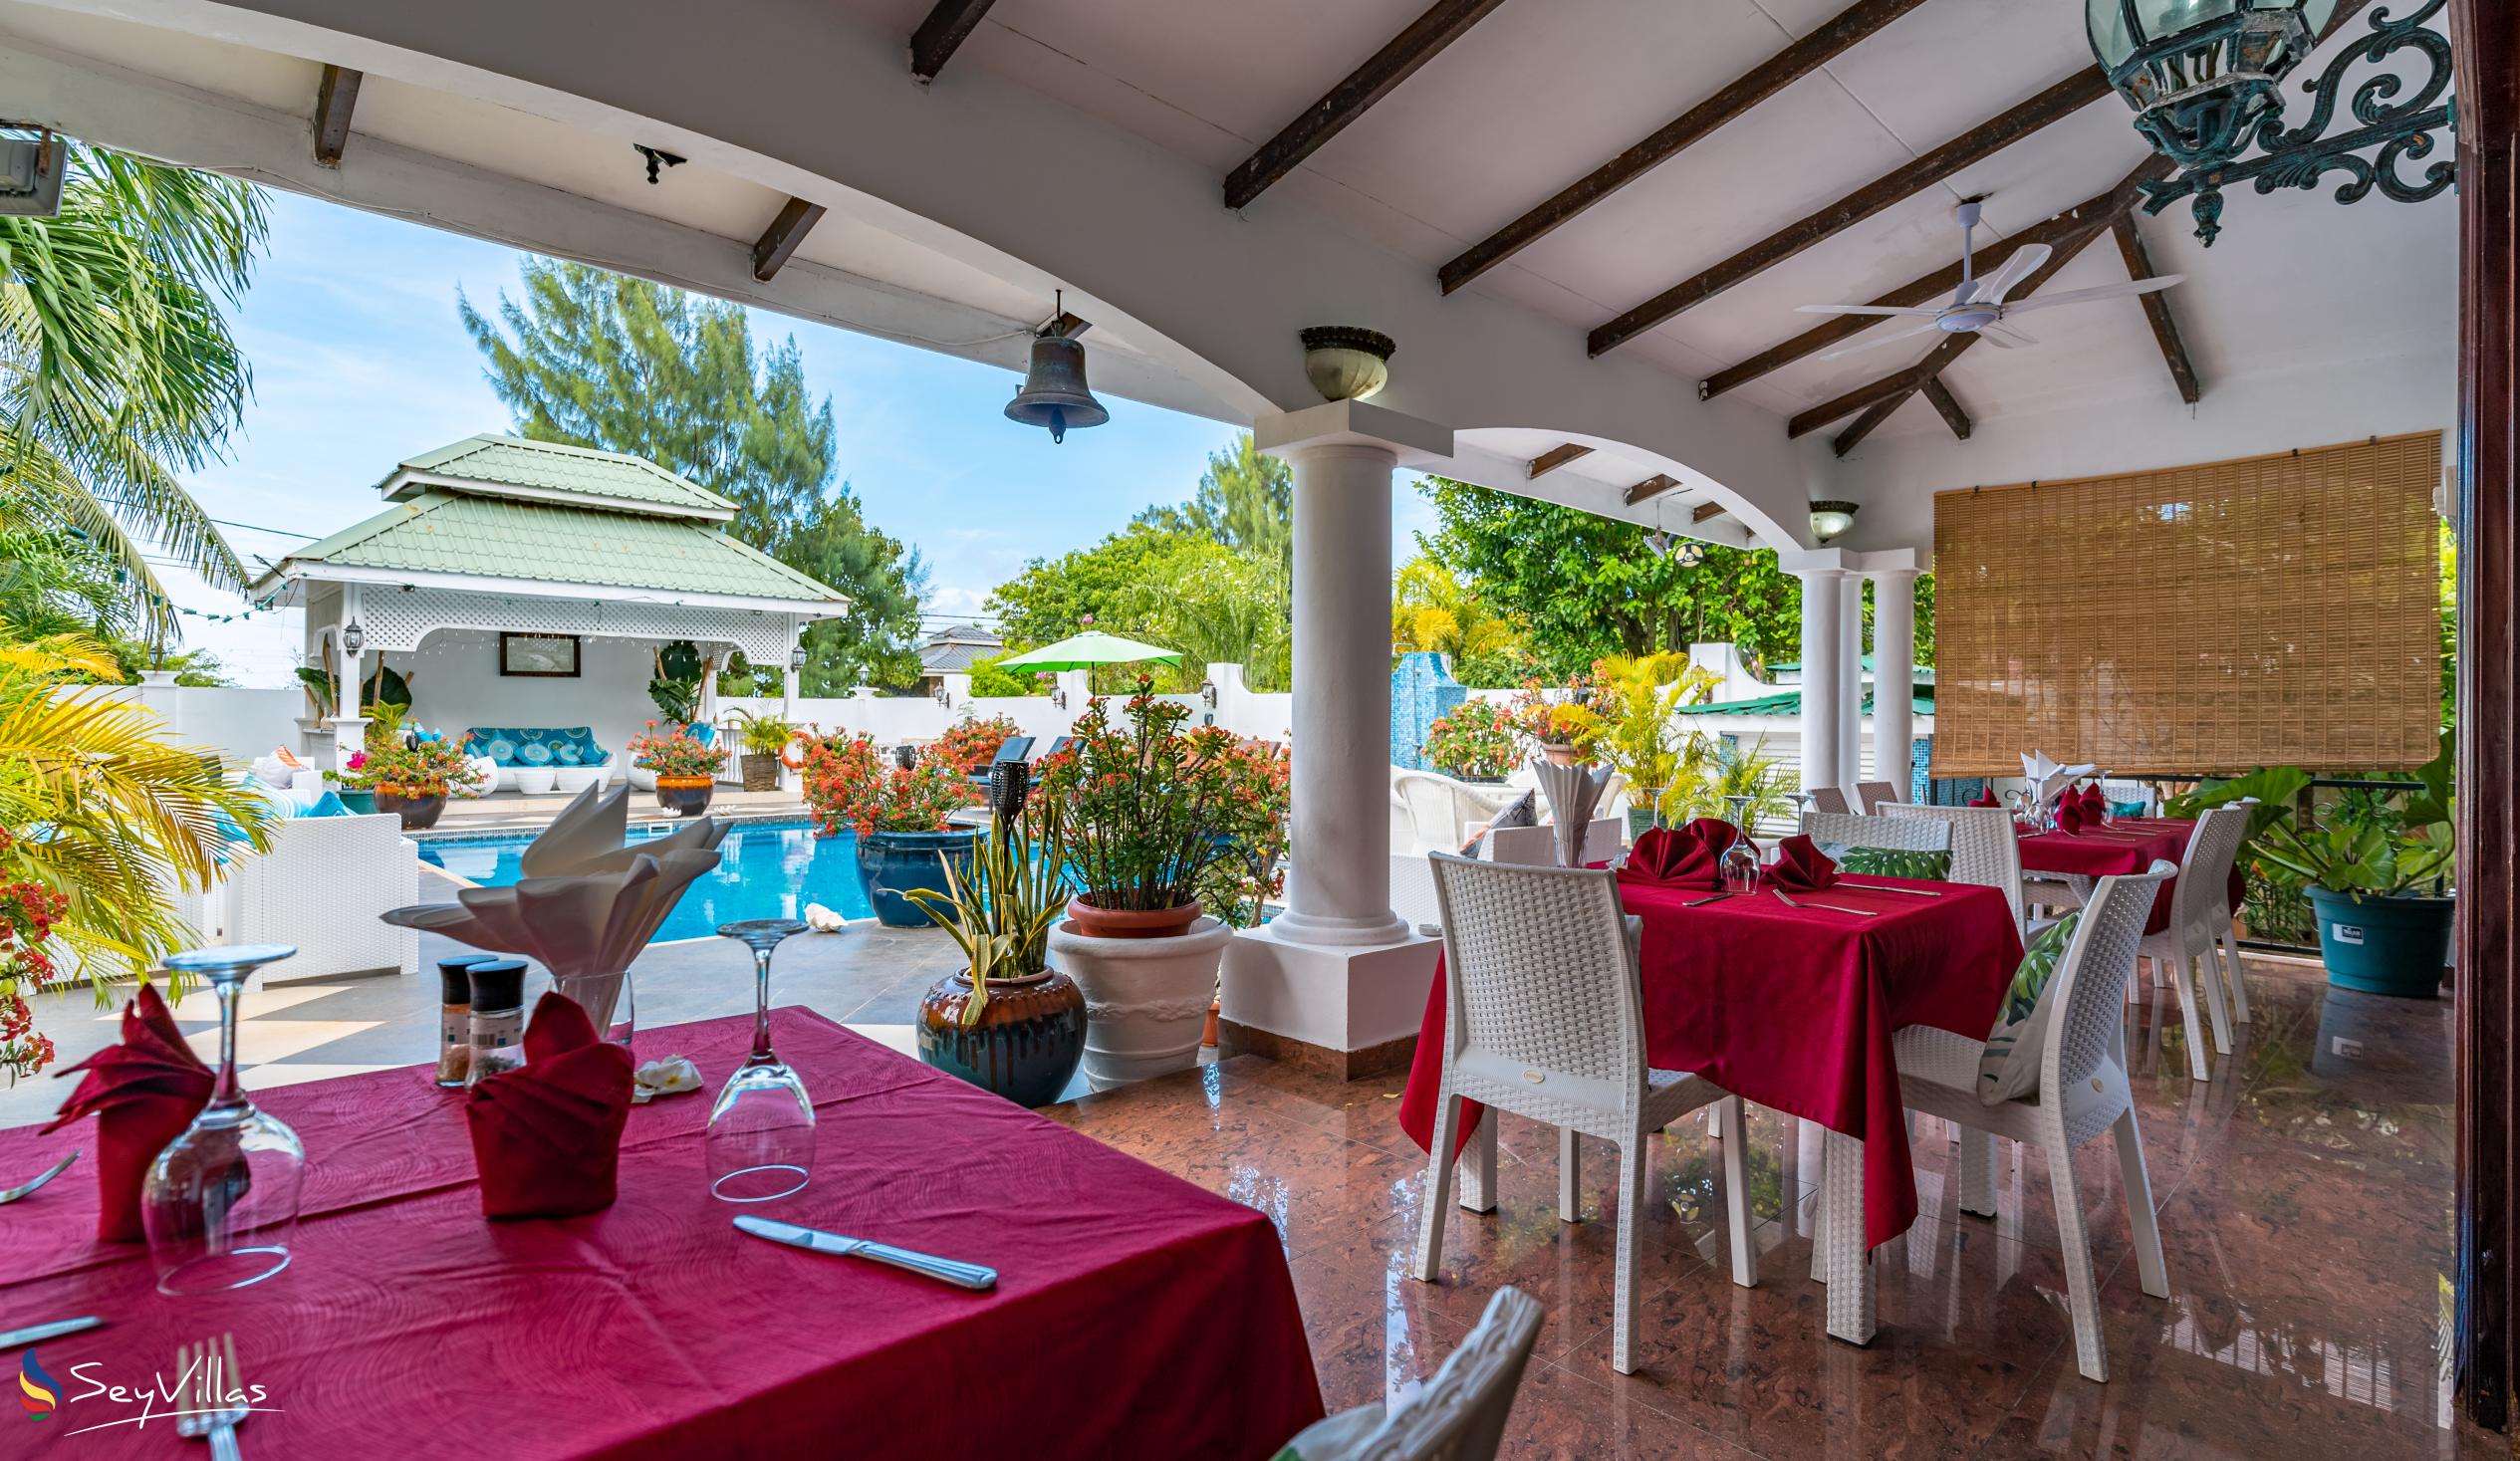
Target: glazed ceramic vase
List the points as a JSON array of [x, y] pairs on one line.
[[1026, 1043]]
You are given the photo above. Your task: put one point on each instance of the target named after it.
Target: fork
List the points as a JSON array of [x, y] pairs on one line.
[[12, 1194], [1831, 907], [217, 1406]]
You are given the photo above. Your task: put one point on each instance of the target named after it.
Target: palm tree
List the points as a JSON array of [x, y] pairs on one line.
[[116, 368], [1432, 608]]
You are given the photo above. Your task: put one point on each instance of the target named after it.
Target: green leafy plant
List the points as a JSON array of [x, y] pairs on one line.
[[2371, 844], [849, 787], [1000, 915], [1152, 810], [1629, 722], [1476, 740], [764, 735]]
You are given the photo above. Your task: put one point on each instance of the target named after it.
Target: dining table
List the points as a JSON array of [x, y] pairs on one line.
[[1794, 1009], [1134, 1315], [2122, 844]]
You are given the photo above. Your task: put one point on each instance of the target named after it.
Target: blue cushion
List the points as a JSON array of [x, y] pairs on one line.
[[534, 753], [500, 749], [327, 805], [2126, 809], [706, 735], [569, 752]]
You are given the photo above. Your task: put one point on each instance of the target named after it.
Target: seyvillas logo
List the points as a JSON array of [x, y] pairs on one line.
[[40, 1392]]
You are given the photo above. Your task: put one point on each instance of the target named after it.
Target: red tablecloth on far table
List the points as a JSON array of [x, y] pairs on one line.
[[1135, 1316], [1795, 1010], [2100, 854]]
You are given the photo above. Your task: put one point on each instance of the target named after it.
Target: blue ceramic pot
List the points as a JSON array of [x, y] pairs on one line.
[[2376, 945], [892, 862]]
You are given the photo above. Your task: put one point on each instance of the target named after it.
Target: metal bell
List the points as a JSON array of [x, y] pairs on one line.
[[1054, 394]]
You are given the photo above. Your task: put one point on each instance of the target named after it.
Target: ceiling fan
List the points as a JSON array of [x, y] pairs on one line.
[[1978, 306]]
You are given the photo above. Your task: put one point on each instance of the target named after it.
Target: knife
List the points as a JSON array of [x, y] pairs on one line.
[[944, 1270], [37, 1334]]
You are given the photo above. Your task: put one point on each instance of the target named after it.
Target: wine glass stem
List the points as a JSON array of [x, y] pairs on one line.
[[761, 1054], [226, 1093]]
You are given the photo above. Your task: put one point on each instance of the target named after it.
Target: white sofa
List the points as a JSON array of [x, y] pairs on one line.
[[321, 886]]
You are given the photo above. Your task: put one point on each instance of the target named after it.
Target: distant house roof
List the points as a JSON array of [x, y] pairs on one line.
[[1923, 672], [1789, 703], [511, 466], [955, 650]]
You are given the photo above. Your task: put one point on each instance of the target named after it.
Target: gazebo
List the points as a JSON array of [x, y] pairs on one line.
[[529, 584]]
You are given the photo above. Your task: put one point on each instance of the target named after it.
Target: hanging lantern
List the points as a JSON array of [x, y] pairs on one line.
[[1054, 394], [2200, 73], [353, 639]]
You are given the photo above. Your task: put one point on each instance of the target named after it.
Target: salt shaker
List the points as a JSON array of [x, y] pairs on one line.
[[454, 1017], [498, 1018]]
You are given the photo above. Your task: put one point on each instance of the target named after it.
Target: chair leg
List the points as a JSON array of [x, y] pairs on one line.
[[2145, 1219], [2227, 944], [1745, 1258], [2082, 1293], [1633, 1154], [1439, 1186], [1478, 1170], [1978, 1173], [2195, 1026], [2160, 973], [1570, 1177], [1820, 1217], [1851, 1314], [2190, 966]]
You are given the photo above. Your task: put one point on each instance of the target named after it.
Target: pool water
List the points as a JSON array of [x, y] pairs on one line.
[[765, 869]]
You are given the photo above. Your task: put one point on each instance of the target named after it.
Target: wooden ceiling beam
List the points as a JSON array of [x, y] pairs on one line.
[[1554, 458], [1651, 487], [1874, 416], [335, 95], [2156, 309], [778, 242], [1972, 147], [943, 33], [1443, 23], [1761, 82], [1706, 509], [1948, 406]]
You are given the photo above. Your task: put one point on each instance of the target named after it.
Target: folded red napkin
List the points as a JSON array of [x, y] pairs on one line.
[[2072, 817], [143, 1093], [1689, 856], [1801, 867], [547, 1138], [1987, 798]]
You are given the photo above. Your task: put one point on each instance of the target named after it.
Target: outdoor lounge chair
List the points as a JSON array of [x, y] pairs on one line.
[[1014, 751]]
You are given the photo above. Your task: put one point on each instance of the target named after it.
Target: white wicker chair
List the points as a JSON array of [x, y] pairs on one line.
[[2083, 1091], [1459, 1415], [1544, 1017], [1536, 846], [1983, 847], [1440, 807], [1896, 834], [321, 886], [2130, 793], [1831, 799], [2200, 928], [1873, 796]]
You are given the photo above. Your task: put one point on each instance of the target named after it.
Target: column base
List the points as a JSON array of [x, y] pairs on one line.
[[1316, 931], [1350, 1009]]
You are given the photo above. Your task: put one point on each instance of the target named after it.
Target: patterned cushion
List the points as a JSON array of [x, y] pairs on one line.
[[500, 749], [2010, 1065], [534, 753], [569, 752], [1889, 863]]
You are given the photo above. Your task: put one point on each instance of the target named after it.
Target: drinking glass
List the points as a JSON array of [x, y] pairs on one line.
[[221, 1200], [761, 1130], [1741, 859]]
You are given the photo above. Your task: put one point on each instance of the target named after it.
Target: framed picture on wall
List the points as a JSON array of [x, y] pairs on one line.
[[543, 656]]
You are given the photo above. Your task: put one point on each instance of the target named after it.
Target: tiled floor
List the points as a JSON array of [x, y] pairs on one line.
[[2303, 1198]]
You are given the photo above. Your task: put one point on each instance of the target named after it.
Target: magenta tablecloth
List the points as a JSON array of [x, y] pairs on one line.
[[1795, 1010], [2099, 856], [1136, 1314]]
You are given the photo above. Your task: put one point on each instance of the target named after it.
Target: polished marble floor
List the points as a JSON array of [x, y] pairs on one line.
[[2303, 1193]]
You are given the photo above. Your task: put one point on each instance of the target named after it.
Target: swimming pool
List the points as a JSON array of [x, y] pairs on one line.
[[765, 869]]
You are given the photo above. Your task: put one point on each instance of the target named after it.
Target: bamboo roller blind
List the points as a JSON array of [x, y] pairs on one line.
[[2278, 611]]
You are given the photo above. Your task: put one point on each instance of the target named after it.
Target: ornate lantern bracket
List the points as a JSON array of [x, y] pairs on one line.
[[2405, 132]]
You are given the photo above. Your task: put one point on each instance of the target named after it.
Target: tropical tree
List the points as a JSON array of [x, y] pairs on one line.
[[1432, 609], [116, 368], [1245, 501], [596, 359]]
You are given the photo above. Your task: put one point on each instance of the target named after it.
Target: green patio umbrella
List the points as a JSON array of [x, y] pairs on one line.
[[1086, 650]]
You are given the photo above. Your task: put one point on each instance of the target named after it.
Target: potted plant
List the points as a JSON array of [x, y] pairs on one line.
[[2376, 869], [413, 779], [1551, 725], [1628, 723], [1006, 1021], [686, 770], [899, 815], [970, 745], [765, 737], [1474, 742], [1150, 813]]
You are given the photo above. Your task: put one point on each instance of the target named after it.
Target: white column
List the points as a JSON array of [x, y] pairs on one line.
[[1849, 681], [790, 681], [349, 722], [1339, 891], [1824, 625], [1894, 674]]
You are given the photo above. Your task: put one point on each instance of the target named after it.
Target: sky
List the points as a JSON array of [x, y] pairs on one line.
[[361, 362]]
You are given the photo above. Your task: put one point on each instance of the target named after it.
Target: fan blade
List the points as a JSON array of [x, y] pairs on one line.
[[1877, 341], [1923, 311], [2005, 337], [2015, 268], [2126, 291]]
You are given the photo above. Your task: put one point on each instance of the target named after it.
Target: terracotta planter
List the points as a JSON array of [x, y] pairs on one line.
[[1146, 999], [761, 773], [686, 796], [1025, 1046], [1095, 922], [1560, 753], [418, 814]]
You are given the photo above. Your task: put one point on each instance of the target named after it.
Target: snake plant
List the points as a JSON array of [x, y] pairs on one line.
[[1000, 913]]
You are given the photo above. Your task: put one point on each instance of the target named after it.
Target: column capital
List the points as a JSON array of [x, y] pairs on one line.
[[1815, 562], [1412, 443], [1905, 575]]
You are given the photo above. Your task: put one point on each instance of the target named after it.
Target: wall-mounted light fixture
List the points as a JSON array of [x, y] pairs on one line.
[[353, 639], [944, 696], [1347, 362], [1830, 519], [796, 659], [1207, 693]]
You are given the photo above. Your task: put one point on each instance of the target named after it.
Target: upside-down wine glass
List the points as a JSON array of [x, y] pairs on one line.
[[1740, 860], [220, 1202], [761, 1130]]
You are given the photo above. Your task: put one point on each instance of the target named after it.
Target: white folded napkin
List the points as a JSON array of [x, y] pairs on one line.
[[672, 1075]]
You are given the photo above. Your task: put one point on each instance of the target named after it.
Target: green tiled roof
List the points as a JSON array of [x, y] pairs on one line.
[[1790, 703], [493, 462], [501, 538]]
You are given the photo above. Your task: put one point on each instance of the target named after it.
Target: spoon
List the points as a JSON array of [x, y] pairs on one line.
[[12, 1194]]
